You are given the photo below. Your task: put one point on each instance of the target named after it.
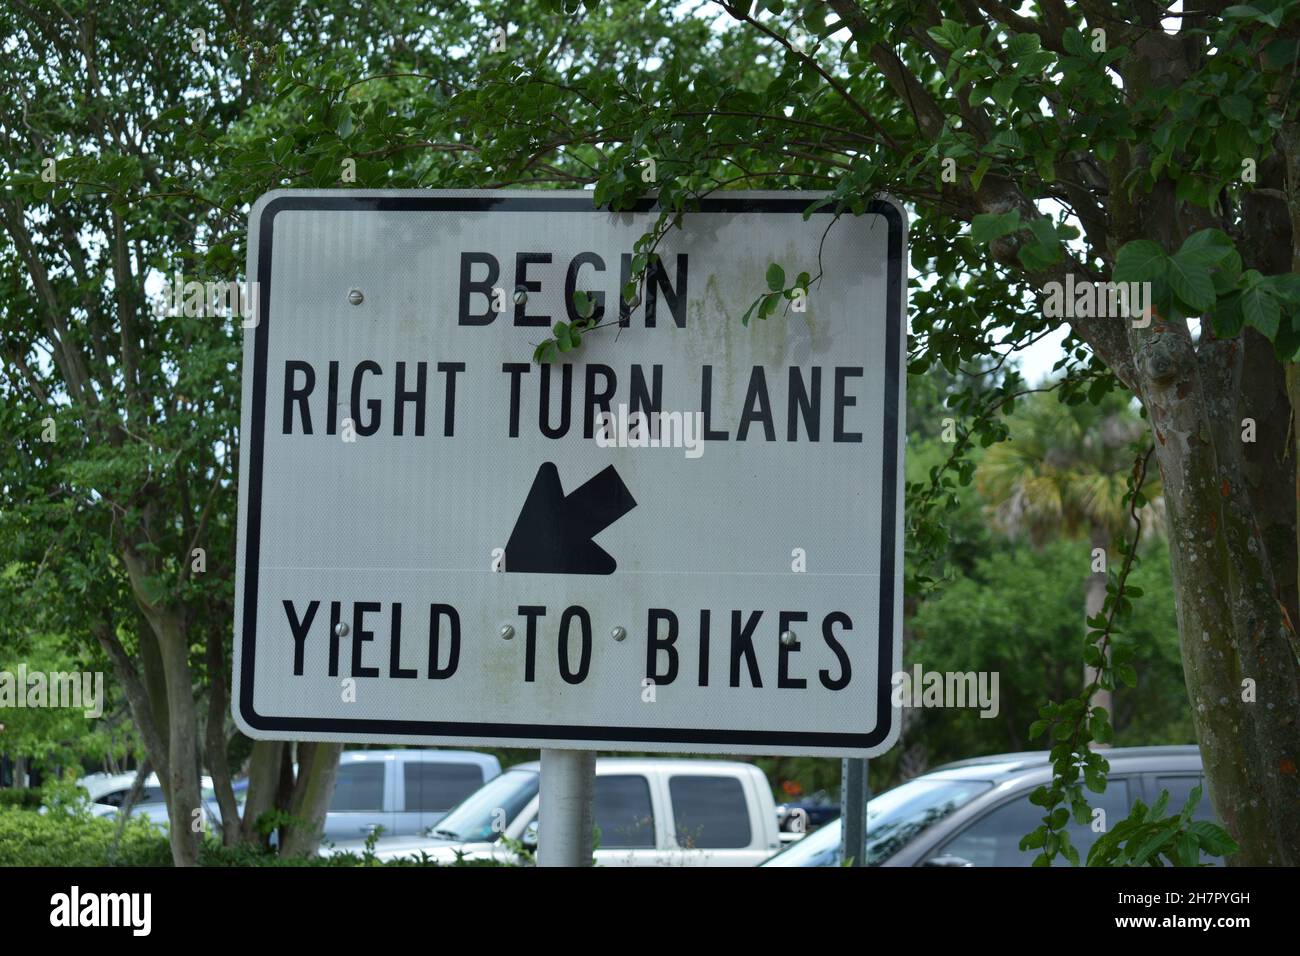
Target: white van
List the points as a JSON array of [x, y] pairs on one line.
[[649, 812]]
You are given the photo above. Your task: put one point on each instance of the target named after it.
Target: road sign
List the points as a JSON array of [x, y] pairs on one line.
[[682, 536]]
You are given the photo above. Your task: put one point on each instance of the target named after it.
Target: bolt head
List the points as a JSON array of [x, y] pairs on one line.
[[507, 632], [787, 638], [619, 633], [342, 630], [355, 297], [521, 295]]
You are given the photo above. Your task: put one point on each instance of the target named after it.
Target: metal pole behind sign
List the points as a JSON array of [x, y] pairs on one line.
[[854, 794], [566, 816]]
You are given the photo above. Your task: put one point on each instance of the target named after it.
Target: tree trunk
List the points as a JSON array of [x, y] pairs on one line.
[[1238, 648], [263, 781], [318, 765], [1231, 513], [184, 800], [215, 737], [1094, 599]]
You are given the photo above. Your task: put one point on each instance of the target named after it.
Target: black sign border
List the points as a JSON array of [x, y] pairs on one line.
[[423, 728]]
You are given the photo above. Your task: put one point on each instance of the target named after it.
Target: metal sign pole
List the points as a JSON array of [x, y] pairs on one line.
[[565, 815], [854, 794]]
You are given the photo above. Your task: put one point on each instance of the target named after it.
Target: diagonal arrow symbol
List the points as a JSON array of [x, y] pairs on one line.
[[553, 532]]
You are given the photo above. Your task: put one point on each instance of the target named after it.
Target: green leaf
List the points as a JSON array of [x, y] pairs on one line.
[[1003, 90], [1227, 318], [582, 303], [1215, 240], [1140, 261], [1189, 277], [1237, 108], [775, 277], [1214, 839], [1189, 807], [1261, 311], [1034, 840], [986, 227], [1162, 835]]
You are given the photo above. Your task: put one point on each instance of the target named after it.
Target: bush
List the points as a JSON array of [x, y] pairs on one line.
[[28, 838], [26, 799]]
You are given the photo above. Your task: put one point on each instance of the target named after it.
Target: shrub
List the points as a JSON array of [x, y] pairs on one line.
[[28, 838], [27, 798], [56, 838]]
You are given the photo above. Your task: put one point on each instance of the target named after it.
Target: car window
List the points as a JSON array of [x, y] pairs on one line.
[[710, 813], [116, 798], [360, 786], [899, 816], [820, 848], [994, 838], [894, 819], [623, 812], [486, 812], [1180, 788], [434, 785]]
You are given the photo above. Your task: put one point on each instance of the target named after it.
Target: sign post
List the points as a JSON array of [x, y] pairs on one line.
[[683, 536], [854, 795], [566, 825]]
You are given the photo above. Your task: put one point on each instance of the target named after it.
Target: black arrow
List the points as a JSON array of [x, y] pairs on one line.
[[553, 532]]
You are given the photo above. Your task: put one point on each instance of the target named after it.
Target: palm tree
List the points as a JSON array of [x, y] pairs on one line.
[[1064, 472]]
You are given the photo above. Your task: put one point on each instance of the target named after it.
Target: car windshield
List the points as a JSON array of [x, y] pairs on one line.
[[484, 814], [893, 818]]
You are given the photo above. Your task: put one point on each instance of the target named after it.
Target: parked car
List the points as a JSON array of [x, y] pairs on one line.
[[974, 812], [797, 818], [108, 792], [648, 811], [403, 791]]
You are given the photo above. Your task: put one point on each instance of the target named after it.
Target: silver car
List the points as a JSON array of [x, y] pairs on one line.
[[403, 791], [974, 812]]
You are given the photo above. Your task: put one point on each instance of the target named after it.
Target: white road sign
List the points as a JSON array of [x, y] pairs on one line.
[[684, 536]]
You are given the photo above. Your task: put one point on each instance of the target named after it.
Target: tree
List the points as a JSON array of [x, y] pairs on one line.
[[120, 421], [1064, 473], [1038, 151], [1015, 611], [53, 738]]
